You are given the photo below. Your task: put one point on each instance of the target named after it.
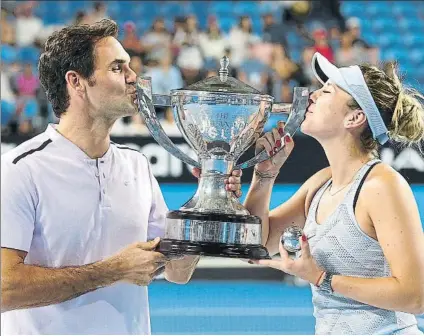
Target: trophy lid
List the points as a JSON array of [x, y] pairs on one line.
[[222, 83]]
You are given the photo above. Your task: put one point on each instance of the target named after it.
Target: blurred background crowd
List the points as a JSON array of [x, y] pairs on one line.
[[270, 45]]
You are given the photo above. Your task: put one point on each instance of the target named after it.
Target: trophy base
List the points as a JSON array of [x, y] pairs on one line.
[[212, 249]]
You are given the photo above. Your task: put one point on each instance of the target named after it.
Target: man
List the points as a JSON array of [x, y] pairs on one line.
[[78, 210]]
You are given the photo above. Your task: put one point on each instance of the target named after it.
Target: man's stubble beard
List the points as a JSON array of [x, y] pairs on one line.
[[124, 109], [114, 112]]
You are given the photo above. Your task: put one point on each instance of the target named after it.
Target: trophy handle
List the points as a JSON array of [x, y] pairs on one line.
[[296, 117], [147, 109]]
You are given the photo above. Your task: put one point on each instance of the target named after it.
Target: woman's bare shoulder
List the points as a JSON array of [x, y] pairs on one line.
[[384, 182], [383, 176]]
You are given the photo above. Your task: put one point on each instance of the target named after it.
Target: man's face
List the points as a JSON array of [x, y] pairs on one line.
[[113, 93]]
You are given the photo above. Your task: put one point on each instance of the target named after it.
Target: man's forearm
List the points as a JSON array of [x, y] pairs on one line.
[[180, 271], [33, 286]]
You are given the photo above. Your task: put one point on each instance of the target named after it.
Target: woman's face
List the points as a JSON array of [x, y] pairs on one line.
[[327, 113]]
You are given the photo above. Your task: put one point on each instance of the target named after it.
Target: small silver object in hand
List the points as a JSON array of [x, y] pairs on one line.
[[290, 239]]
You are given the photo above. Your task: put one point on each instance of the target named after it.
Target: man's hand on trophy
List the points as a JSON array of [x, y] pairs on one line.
[[233, 183], [272, 142], [138, 263]]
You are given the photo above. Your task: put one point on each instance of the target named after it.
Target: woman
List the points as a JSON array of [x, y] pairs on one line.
[[363, 247]]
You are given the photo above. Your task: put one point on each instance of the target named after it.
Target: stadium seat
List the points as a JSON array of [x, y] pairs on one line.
[[113, 9], [29, 55], [221, 8], [408, 24], [388, 54], [416, 56], [415, 39], [30, 110], [227, 22], [41, 8], [370, 37], [257, 25], [200, 8], [7, 112], [384, 25], [377, 8], [249, 8], [265, 7], [8, 54], [404, 8], [53, 17], [176, 9], [389, 40], [352, 8]]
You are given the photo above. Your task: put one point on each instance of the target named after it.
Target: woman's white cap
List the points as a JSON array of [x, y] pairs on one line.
[[351, 80]]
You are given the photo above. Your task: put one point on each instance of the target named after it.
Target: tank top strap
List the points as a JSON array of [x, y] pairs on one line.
[[353, 193]]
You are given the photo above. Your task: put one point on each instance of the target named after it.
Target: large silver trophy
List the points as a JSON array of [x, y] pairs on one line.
[[220, 117]]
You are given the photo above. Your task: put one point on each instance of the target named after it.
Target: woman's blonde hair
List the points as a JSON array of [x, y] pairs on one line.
[[401, 108]]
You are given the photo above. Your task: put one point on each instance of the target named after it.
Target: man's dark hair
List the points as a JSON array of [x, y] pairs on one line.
[[71, 48]]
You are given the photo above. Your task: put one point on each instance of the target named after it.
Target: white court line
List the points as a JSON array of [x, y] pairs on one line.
[[236, 311]]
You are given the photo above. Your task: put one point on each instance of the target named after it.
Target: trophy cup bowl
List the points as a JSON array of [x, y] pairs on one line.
[[220, 117]]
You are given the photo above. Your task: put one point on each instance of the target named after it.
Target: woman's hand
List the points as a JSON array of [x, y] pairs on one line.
[[233, 183], [272, 142], [303, 267]]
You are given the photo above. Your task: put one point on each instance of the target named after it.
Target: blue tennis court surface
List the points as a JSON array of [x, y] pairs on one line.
[[235, 307], [232, 307]]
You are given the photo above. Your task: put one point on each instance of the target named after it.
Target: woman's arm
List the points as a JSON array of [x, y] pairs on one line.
[[259, 194], [291, 212], [393, 211]]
